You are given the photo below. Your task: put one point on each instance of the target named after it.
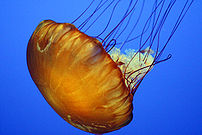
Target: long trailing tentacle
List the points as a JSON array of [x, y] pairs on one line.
[[133, 28]]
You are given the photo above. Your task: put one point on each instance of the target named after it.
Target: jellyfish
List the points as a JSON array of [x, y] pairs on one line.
[[90, 80]]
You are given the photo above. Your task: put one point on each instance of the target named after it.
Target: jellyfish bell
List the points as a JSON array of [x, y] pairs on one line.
[[88, 80], [78, 78]]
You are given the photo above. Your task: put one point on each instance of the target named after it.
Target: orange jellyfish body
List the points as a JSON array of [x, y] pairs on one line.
[[78, 78]]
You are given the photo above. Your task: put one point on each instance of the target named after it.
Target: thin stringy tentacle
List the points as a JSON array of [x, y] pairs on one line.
[[133, 28]]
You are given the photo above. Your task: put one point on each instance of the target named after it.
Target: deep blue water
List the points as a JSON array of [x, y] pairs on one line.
[[168, 102]]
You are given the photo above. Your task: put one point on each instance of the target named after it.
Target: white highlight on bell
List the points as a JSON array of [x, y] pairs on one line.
[[80, 126], [47, 46], [133, 61]]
